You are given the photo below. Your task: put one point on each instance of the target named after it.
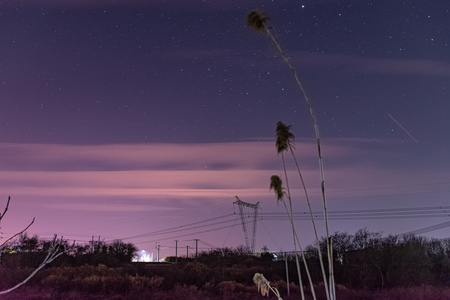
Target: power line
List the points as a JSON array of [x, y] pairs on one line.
[[360, 214], [189, 234], [176, 228], [231, 228], [208, 245], [229, 221], [270, 235], [393, 213], [429, 228], [395, 187], [197, 232]]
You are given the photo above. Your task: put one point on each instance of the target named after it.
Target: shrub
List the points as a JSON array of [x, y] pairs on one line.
[[57, 282], [92, 284], [230, 287], [116, 284], [156, 282], [184, 290], [10, 277], [142, 283], [195, 273]]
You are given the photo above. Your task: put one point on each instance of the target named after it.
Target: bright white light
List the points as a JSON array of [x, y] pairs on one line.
[[143, 256]]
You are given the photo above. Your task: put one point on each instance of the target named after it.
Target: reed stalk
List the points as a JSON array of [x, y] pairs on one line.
[[257, 20], [277, 185]]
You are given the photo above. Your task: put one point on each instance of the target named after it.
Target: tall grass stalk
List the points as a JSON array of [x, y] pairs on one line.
[[264, 286], [277, 185], [285, 141], [296, 240], [258, 21]]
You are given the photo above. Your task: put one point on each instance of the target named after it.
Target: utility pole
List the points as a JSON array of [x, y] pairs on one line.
[[196, 247], [187, 251], [157, 248], [176, 250]]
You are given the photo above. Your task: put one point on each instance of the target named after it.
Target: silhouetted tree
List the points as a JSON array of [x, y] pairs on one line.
[[123, 252]]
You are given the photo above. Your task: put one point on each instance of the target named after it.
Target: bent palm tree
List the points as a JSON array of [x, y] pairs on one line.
[[257, 20]]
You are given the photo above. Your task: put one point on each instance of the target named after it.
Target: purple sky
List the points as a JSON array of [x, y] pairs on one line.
[[134, 119]]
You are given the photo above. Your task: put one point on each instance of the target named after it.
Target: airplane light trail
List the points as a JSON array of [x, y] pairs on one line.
[[403, 128]]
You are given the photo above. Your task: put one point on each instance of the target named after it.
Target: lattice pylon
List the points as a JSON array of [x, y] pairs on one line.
[[255, 207]]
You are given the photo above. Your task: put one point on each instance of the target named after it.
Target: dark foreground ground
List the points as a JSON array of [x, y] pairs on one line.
[[211, 278], [250, 293]]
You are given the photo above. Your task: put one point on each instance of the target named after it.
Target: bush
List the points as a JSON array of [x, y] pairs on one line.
[[195, 273], [58, 282], [141, 283], [230, 287]]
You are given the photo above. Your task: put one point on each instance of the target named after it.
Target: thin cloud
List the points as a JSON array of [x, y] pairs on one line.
[[153, 173], [53, 184], [199, 156], [425, 67]]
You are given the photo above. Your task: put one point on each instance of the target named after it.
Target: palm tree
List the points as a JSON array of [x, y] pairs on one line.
[[257, 20], [284, 142]]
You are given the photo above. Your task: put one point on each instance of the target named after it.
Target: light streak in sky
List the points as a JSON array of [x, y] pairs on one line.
[[403, 128]]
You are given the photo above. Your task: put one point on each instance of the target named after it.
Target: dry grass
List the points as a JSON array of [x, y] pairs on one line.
[[231, 290]]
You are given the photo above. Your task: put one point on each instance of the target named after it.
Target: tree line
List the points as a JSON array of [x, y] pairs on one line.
[[364, 260], [367, 260], [28, 251]]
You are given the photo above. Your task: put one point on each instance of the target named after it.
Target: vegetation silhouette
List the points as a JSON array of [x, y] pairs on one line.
[[276, 184], [257, 20], [367, 265], [284, 142], [53, 252]]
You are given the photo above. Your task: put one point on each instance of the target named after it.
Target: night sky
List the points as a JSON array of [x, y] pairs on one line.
[[142, 120]]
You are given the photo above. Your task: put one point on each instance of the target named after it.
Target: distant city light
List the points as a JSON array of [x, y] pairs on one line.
[[143, 256]]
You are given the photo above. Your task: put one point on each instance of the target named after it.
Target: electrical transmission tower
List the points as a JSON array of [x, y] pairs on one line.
[[255, 208]]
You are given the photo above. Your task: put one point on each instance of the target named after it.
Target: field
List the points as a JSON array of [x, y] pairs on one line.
[[366, 266], [184, 280]]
